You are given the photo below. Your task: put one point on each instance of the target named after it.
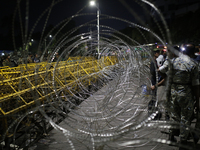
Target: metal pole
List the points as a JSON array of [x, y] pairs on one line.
[[90, 39], [45, 44], [98, 29]]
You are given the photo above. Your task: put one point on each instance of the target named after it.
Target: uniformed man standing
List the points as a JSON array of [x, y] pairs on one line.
[[29, 59], [6, 61], [191, 54], [183, 92], [20, 60]]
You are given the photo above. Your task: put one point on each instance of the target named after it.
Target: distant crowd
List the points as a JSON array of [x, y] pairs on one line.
[[13, 60]]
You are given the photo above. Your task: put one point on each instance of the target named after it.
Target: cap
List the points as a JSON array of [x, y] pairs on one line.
[[156, 49]]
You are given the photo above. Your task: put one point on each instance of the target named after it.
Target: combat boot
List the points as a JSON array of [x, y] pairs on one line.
[[172, 139], [183, 143], [195, 138]]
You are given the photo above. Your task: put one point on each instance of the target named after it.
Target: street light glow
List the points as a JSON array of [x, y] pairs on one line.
[[92, 3]]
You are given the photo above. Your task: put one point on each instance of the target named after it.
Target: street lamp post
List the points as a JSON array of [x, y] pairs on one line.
[[89, 29], [92, 3], [45, 40], [98, 31]]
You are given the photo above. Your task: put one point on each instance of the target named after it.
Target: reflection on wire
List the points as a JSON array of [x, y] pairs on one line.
[[101, 102]]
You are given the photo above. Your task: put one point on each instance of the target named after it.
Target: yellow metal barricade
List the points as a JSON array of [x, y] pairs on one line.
[[29, 85]]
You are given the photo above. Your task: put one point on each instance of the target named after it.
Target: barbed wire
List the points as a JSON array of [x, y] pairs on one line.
[[106, 107]]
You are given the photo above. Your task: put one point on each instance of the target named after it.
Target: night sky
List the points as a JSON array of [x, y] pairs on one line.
[[64, 9], [67, 8]]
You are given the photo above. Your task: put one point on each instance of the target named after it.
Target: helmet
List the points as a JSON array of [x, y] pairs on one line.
[[187, 49]]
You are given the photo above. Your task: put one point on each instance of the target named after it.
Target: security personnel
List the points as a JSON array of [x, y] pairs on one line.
[[29, 58], [6, 61], [191, 50], [184, 91], [20, 60]]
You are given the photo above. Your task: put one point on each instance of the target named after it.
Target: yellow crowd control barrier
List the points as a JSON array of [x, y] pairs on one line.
[[28, 85]]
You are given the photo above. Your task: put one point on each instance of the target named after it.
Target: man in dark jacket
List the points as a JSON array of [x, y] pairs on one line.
[[156, 80], [154, 73]]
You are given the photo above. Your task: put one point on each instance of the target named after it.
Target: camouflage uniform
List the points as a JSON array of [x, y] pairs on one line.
[[20, 61], [29, 59], [181, 102], [197, 125], [6, 62]]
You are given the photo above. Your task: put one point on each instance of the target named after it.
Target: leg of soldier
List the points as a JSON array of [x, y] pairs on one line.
[[174, 112], [197, 127], [187, 108]]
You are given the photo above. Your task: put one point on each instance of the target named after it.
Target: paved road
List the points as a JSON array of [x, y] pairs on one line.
[[119, 117]]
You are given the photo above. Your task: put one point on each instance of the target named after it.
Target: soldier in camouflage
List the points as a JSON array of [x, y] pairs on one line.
[[20, 60], [6, 61], [183, 92], [191, 47], [29, 59]]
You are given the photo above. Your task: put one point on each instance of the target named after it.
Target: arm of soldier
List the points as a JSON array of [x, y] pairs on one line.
[[162, 70], [164, 78], [164, 67], [195, 87], [161, 82], [195, 90]]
